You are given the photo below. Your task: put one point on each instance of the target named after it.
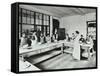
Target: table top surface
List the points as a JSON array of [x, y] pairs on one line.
[[47, 45], [86, 45], [41, 46]]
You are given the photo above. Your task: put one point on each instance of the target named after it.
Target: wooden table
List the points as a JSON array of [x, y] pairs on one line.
[[88, 49], [41, 48]]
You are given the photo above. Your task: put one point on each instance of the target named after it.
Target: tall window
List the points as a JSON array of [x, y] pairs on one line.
[[91, 29], [30, 20]]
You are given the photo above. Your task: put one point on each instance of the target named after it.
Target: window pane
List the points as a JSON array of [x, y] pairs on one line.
[[32, 14], [40, 16], [37, 16], [32, 20], [23, 16], [47, 22], [23, 19], [27, 27], [37, 21], [32, 17], [40, 19], [40, 22], [28, 17], [44, 17], [44, 22], [48, 30], [28, 20], [19, 19], [47, 17]]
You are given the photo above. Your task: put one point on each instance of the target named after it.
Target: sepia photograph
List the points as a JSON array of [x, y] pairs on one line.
[[56, 37]]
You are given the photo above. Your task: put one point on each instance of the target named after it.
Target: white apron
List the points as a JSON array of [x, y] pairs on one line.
[[33, 42], [76, 51]]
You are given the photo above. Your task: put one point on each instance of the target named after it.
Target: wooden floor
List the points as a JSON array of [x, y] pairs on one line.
[[55, 60]]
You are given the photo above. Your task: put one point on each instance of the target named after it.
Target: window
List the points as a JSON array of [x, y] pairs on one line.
[[29, 20], [91, 29]]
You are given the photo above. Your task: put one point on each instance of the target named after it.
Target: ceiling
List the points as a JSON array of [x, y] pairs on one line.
[[63, 11]]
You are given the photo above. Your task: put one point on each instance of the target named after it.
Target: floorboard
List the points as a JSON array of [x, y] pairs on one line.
[[62, 61]]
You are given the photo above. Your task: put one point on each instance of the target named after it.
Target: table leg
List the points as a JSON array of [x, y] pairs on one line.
[[62, 50], [89, 56], [22, 58]]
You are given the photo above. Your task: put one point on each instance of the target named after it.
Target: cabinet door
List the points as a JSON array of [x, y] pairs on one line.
[[61, 33]]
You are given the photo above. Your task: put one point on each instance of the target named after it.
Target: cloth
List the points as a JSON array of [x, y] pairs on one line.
[[33, 42], [23, 42], [76, 51]]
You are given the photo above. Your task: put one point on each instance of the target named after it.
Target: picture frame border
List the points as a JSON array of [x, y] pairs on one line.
[[17, 36]]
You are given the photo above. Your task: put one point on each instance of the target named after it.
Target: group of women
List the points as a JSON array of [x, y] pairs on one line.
[[77, 41], [27, 40], [33, 39]]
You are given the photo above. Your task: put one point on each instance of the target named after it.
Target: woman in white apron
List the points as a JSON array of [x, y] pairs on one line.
[[23, 40], [34, 39], [76, 51], [90, 42]]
